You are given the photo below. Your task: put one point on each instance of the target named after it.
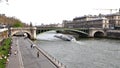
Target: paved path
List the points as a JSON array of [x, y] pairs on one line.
[[13, 59], [27, 56]]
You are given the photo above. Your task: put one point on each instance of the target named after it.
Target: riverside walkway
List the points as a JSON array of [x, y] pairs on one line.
[[26, 56]]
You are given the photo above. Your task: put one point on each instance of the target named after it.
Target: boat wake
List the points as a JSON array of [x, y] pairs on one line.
[[65, 37]]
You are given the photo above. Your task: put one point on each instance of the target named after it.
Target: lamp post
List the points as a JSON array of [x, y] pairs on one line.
[[9, 30]]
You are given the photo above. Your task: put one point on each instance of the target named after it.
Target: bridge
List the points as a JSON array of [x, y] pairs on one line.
[[82, 32], [32, 31], [29, 31]]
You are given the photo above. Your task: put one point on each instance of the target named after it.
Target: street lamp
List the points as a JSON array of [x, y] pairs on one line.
[[9, 30]]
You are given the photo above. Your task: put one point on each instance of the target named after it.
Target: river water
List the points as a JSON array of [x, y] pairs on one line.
[[84, 53]]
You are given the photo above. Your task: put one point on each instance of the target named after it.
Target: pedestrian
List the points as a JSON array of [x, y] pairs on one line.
[[31, 45], [34, 45], [10, 52], [15, 52], [38, 54]]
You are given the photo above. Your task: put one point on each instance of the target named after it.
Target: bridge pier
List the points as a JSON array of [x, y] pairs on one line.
[[34, 33], [97, 32]]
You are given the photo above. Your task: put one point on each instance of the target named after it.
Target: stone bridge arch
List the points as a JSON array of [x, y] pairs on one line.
[[23, 31], [97, 33], [30, 31]]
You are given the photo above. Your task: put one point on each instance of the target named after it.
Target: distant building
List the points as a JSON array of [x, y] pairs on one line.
[[114, 19], [52, 25], [87, 22], [97, 21], [59, 25]]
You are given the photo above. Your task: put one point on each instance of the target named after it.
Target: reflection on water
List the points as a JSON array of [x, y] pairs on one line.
[[85, 53]]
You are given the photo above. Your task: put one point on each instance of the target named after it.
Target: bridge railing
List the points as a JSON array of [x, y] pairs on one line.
[[24, 28]]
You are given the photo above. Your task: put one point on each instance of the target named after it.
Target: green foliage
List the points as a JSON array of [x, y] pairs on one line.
[[2, 63], [4, 50], [18, 24]]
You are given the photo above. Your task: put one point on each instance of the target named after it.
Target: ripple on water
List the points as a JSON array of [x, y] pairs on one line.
[[88, 53]]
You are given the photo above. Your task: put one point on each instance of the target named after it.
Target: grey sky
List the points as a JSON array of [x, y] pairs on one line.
[[54, 11]]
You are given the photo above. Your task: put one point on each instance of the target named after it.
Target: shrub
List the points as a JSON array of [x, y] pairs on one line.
[[4, 51]]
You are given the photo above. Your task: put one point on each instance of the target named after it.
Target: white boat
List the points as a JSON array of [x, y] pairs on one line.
[[65, 37]]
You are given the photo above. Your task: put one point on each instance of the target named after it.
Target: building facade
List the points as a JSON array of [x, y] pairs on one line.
[[114, 20], [109, 21], [87, 22]]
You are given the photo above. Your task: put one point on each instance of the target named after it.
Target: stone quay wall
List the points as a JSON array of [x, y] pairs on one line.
[[113, 34]]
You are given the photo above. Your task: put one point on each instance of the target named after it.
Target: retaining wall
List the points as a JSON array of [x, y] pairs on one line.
[[113, 34]]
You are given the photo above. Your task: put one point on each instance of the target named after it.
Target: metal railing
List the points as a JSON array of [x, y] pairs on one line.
[[49, 57]]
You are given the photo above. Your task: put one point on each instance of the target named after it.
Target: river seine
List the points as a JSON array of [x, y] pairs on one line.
[[84, 53]]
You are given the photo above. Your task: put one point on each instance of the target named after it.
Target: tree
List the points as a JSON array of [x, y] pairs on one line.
[[11, 21], [31, 24], [18, 24]]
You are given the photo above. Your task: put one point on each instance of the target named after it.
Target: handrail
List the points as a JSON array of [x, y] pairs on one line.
[[49, 57]]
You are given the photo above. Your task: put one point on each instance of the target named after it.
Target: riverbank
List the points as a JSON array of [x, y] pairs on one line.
[[113, 34], [48, 56], [4, 52]]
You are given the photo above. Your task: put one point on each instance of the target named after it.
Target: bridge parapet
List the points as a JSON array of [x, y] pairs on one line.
[[25, 28]]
